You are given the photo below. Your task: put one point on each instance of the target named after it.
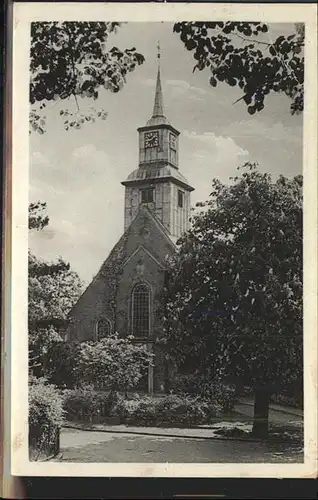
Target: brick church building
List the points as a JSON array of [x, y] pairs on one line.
[[124, 296]]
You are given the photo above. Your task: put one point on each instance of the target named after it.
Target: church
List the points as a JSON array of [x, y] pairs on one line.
[[124, 296]]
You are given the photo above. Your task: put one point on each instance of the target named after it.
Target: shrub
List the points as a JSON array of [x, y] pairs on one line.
[[52, 357], [141, 409], [126, 408], [45, 404], [145, 410], [85, 403], [186, 410], [82, 402], [222, 395], [46, 416], [172, 409]]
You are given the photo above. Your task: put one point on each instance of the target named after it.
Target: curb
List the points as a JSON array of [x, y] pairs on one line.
[[215, 438]]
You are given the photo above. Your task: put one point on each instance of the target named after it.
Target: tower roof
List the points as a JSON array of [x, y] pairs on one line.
[[158, 115], [157, 174]]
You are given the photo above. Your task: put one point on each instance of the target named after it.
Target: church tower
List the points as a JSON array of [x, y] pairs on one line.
[[125, 296], [157, 182]]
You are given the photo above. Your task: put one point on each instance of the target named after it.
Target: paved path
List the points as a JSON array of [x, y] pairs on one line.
[[121, 443], [87, 446]]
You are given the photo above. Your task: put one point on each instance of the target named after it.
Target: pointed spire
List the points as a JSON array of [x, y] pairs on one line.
[[158, 115], [158, 104]]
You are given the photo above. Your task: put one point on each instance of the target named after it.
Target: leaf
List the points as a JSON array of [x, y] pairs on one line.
[[251, 110]]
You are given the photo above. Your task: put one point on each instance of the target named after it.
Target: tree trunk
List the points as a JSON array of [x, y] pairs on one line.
[[261, 411]]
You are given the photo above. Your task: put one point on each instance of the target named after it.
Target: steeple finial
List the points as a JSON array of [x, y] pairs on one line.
[[158, 105]]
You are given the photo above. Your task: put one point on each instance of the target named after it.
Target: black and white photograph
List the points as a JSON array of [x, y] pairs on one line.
[[165, 241]]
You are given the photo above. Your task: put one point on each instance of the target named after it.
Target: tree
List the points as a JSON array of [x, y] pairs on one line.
[[236, 53], [71, 60], [53, 289], [52, 357], [234, 294], [113, 363]]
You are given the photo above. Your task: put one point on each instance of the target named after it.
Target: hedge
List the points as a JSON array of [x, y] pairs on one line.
[[86, 404]]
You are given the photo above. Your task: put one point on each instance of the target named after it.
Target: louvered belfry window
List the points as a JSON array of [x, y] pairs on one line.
[[180, 198], [141, 310], [147, 195]]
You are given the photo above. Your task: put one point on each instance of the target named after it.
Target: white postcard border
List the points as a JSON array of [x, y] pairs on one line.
[[24, 13]]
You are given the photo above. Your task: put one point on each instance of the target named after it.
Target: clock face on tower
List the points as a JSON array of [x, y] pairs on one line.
[[151, 139]]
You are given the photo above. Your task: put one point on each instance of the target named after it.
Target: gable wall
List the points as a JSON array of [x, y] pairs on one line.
[[109, 293], [153, 275], [99, 298]]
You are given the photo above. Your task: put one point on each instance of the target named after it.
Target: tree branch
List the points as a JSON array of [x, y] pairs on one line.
[[251, 40], [76, 101], [237, 100], [284, 63]]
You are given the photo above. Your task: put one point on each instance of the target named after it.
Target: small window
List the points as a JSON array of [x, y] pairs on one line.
[[180, 198], [103, 329], [147, 195]]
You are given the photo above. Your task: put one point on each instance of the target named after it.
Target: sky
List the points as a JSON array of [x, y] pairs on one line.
[[78, 173]]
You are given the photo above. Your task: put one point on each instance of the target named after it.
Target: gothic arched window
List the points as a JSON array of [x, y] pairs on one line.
[[103, 328], [140, 310]]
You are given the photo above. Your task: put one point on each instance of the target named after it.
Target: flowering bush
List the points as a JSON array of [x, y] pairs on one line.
[[113, 363]]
